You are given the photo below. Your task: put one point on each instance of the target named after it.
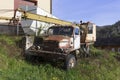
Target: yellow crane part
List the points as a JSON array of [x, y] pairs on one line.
[[42, 18], [5, 18]]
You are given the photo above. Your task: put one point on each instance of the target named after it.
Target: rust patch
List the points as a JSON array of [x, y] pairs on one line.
[[57, 38]]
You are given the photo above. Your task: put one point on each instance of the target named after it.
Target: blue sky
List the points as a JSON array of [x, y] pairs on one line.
[[100, 12]]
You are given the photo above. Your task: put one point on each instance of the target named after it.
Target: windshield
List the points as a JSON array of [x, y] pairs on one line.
[[60, 30]]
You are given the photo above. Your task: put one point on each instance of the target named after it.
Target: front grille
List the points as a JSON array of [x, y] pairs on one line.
[[50, 45]]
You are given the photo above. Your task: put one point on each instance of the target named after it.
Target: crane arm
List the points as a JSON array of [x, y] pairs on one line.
[[28, 15], [5, 18]]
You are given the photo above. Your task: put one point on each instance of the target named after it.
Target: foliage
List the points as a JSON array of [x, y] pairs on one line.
[[101, 65], [109, 30]]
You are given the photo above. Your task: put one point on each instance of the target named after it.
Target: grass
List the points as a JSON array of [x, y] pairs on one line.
[[101, 65]]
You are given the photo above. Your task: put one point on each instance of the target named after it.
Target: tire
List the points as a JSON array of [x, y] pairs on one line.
[[70, 62]]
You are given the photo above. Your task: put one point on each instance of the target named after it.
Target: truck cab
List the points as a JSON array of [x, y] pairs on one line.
[[64, 38]]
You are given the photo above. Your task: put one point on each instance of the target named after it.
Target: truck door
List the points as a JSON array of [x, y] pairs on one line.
[[76, 38]]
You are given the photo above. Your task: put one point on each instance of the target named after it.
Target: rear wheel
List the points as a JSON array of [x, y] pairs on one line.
[[70, 62]]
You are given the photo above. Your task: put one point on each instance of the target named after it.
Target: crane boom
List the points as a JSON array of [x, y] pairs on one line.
[[5, 18], [32, 16], [42, 18]]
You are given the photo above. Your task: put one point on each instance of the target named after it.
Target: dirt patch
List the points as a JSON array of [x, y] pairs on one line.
[[11, 50]]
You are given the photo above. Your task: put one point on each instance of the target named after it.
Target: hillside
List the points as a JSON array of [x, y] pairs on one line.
[[101, 65], [109, 30]]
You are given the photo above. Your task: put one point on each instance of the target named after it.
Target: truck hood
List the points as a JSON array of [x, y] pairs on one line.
[[57, 38], [57, 42]]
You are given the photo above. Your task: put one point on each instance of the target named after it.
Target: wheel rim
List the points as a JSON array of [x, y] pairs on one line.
[[72, 63]]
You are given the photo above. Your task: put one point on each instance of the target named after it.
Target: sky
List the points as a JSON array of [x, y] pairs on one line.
[[100, 12]]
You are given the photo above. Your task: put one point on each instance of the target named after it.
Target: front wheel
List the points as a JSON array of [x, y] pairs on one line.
[[70, 62]]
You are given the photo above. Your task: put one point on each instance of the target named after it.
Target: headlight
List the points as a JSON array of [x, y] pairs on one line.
[[63, 44]]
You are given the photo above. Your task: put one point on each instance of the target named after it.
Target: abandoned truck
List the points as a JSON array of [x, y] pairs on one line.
[[64, 43]]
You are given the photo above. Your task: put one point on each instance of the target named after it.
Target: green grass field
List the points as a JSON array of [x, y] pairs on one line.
[[101, 65]]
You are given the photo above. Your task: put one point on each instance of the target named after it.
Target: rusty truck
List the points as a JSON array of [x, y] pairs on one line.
[[64, 41]]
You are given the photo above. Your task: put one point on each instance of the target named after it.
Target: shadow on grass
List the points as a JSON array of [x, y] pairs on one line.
[[37, 60]]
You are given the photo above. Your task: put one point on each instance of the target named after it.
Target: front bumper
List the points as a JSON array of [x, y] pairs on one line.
[[47, 54]]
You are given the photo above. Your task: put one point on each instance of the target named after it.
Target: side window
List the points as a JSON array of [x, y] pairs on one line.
[[76, 31], [90, 29]]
